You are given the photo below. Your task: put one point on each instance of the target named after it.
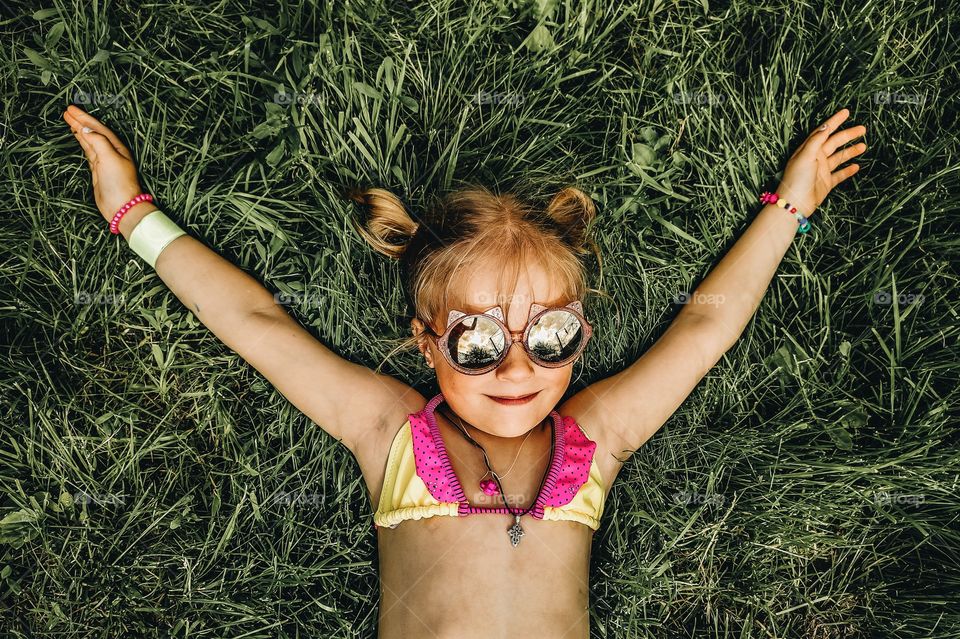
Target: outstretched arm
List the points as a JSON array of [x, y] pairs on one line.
[[216, 291], [629, 407], [730, 295], [349, 401]]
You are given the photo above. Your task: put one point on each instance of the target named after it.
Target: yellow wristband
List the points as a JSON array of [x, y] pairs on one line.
[[152, 234]]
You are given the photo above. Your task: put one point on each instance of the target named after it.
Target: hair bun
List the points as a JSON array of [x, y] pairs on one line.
[[572, 211], [388, 228]]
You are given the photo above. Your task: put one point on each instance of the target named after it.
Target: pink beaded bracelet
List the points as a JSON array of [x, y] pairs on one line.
[[115, 222]]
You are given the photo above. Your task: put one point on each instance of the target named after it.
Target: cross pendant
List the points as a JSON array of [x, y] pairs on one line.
[[515, 531]]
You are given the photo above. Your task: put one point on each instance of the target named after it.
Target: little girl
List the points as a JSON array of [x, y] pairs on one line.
[[486, 495]]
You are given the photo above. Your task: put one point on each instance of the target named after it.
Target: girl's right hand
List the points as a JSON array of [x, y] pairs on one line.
[[811, 172], [114, 174]]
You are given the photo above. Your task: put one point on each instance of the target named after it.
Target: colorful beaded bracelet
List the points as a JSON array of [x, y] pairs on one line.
[[115, 222], [773, 198]]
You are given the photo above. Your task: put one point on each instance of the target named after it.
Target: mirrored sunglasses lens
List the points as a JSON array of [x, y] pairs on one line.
[[476, 342], [555, 336]]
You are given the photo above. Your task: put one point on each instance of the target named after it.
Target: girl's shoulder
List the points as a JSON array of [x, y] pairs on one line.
[[372, 456]]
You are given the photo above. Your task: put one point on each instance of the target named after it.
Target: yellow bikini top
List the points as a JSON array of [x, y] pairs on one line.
[[421, 483]]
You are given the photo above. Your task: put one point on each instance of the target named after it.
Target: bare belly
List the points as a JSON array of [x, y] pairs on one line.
[[460, 577]]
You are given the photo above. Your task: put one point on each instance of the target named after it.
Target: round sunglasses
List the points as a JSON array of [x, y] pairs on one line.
[[477, 343]]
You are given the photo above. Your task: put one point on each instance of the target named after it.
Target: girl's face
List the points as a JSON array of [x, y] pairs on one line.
[[469, 395]]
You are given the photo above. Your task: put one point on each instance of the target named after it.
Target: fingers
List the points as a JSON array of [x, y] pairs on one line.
[[91, 156], [96, 146], [843, 155], [87, 147], [840, 138], [844, 173], [827, 128], [75, 127], [78, 118], [72, 119], [830, 145], [101, 146], [819, 135]]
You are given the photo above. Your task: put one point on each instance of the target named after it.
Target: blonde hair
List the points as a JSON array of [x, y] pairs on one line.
[[472, 227]]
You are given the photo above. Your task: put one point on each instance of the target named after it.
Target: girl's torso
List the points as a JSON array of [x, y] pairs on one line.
[[460, 576]]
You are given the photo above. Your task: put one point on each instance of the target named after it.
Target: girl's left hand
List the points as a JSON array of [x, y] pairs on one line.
[[111, 164], [809, 175]]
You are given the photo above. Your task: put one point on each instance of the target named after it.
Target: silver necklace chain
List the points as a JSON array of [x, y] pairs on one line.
[[515, 531]]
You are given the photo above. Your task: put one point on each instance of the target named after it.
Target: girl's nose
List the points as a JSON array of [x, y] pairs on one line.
[[517, 365]]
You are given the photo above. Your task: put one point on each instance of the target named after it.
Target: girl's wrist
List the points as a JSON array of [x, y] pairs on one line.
[[794, 210], [133, 216], [787, 221], [795, 202]]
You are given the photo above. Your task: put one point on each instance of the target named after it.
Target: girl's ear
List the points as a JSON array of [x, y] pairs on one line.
[[422, 342]]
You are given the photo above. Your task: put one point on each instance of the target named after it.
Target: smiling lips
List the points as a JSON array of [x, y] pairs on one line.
[[522, 399]]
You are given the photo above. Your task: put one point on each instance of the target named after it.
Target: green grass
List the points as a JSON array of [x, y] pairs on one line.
[[808, 486]]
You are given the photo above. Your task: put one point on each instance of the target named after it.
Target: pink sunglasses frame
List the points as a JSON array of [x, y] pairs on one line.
[[495, 313]]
